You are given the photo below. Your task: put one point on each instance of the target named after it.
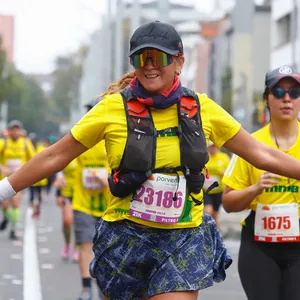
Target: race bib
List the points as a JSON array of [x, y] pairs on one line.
[[90, 178], [154, 200], [277, 223], [14, 164], [209, 181]]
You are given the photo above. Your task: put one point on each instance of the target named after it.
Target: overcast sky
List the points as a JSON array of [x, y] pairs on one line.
[[45, 29]]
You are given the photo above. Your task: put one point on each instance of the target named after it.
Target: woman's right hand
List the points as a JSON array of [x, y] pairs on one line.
[[60, 181], [60, 201], [266, 181]]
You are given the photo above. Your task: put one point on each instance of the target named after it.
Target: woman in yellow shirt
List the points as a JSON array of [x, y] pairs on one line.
[[269, 256], [153, 240]]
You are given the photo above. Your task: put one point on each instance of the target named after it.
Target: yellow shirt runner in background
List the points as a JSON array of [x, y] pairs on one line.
[[240, 174], [216, 166], [88, 197]]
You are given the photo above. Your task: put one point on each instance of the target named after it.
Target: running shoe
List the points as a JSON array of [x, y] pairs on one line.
[[3, 224], [13, 236], [65, 252], [85, 297], [75, 256]]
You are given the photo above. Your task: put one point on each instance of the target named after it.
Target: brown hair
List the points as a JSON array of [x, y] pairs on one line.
[[119, 84]]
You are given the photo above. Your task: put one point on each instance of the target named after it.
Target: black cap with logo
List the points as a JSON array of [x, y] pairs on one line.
[[274, 76], [156, 35]]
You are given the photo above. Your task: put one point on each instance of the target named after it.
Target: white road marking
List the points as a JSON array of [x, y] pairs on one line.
[[16, 256], [44, 250], [42, 239], [32, 281], [47, 266]]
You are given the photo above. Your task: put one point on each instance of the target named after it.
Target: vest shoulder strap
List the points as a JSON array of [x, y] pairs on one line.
[[189, 103]]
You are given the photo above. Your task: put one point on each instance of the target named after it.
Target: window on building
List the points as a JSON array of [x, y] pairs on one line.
[[283, 32]]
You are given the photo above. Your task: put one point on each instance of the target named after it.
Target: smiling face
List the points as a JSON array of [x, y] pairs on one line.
[[157, 80], [286, 108]]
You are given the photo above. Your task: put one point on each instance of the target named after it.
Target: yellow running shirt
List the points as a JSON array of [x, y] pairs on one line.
[[107, 120], [40, 148], [216, 166], [69, 173], [240, 174], [16, 153], [86, 199]]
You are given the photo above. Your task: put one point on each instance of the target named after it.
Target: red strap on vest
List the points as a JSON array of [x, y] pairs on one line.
[[190, 105], [136, 108]]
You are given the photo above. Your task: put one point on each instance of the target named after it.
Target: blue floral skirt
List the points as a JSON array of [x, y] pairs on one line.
[[132, 261]]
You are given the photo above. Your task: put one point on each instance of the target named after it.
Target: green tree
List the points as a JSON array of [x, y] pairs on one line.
[[227, 90], [67, 75]]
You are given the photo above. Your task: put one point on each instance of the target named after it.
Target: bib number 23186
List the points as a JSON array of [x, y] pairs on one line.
[[277, 223], [154, 200]]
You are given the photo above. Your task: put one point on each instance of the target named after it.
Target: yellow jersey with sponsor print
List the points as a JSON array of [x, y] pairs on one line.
[[69, 173], [216, 166], [240, 174], [15, 153], [107, 120], [88, 196], [39, 148]]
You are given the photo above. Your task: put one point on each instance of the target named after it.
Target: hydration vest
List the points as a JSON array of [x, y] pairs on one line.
[[140, 150]]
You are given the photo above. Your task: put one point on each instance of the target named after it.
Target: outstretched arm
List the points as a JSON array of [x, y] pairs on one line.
[[262, 156], [49, 161]]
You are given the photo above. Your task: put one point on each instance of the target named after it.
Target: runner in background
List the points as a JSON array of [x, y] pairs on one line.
[[64, 182], [269, 256], [50, 141], [217, 164], [36, 194], [15, 151], [89, 201]]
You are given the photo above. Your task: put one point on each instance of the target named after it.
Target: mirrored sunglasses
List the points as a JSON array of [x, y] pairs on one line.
[[279, 93], [159, 59]]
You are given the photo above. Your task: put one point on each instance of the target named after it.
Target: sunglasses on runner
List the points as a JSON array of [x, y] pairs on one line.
[[279, 93], [159, 59]]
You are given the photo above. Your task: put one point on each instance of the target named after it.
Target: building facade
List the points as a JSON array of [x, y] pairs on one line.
[[285, 20], [7, 35]]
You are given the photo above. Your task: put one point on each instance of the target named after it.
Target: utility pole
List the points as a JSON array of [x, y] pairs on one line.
[[294, 33], [135, 16], [119, 41], [163, 11], [109, 39]]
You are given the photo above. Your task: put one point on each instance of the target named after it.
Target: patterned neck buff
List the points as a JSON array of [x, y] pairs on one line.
[[161, 101]]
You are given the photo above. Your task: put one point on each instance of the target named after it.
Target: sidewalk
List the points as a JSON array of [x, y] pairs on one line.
[[230, 224]]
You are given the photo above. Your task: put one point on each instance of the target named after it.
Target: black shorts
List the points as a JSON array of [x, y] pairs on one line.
[[35, 192], [215, 200]]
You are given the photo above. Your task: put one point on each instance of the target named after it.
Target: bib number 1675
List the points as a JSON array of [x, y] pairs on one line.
[[278, 222]]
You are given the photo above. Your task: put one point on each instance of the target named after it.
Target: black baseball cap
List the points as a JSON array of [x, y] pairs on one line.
[[274, 76], [157, 35]]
